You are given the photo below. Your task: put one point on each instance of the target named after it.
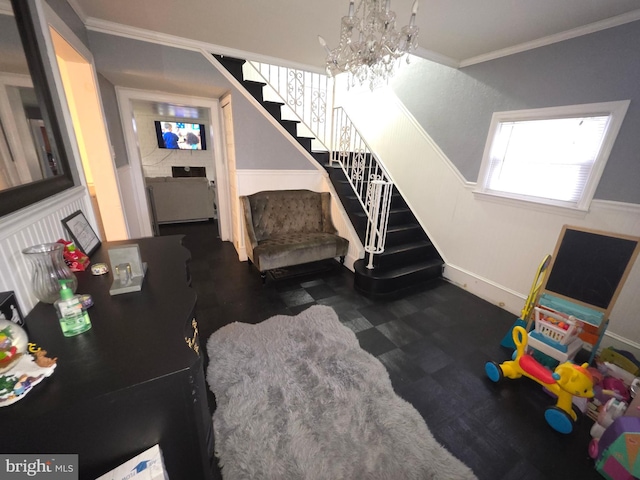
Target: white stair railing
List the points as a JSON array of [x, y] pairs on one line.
[[367, 177], [307, 96], [379, 202]]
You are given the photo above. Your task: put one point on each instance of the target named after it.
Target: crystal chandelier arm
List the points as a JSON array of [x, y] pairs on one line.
[[369, 42], [323, 43], [414, 12]]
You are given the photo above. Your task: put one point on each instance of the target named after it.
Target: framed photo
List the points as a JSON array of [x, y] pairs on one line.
[[81, 232]]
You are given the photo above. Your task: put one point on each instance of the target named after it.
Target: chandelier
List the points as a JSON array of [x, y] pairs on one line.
[[370, 47]]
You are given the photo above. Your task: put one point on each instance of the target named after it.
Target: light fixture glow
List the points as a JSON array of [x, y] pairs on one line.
[[370, 46]]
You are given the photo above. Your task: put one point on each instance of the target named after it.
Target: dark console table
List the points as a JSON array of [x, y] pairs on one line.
[[135, 379]]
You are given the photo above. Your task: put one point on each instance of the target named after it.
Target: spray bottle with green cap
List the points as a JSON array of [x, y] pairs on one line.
[[73, 317]]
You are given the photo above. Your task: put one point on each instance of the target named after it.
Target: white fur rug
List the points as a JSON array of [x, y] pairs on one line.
[[297, 398]]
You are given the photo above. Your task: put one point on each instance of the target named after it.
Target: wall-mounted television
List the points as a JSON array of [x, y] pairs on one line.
[[181, 135]]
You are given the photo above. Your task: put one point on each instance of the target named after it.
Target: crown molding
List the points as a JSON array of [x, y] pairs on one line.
[[436, 57], [558, 37], [141, 34]]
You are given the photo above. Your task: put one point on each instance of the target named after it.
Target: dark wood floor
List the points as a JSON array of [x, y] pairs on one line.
[[434, 343]]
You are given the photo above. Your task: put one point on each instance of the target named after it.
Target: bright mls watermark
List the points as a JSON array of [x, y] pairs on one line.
[[49, 467]]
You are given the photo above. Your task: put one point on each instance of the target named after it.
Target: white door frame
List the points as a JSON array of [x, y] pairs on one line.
[[125, 98]]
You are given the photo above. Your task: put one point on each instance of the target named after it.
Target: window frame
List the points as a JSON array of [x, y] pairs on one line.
[[615, 109]]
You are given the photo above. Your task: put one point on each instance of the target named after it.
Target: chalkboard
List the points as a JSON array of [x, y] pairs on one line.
[[590, 266]]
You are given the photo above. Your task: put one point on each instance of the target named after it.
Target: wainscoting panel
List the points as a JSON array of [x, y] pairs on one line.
[[40, 223]]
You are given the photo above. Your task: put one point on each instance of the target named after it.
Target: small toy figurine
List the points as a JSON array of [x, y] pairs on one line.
[[42, 360], [568, 380]]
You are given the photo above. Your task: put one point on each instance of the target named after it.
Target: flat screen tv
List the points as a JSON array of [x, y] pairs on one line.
[[181, 135]]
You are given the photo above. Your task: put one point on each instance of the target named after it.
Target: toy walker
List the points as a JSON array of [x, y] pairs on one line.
[[568, 380]]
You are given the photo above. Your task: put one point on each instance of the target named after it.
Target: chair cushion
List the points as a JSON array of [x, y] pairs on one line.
[[288, 249]]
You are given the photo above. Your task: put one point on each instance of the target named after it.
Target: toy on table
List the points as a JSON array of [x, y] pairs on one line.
[[568, 380]]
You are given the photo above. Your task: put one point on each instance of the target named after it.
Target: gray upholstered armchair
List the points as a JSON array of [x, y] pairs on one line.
[[290, 227]]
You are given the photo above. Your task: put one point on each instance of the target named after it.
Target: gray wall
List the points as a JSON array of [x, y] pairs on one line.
[[70, 18], [12, 58], [171, 70], [112, 115], [455, 106]]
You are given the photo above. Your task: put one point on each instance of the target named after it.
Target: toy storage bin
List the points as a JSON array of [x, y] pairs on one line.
[[547, 324]]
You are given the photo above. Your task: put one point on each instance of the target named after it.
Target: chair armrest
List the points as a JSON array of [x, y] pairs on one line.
[[327, 223], [250, 234]]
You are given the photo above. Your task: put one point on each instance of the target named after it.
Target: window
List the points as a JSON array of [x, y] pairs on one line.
[[553, 156]]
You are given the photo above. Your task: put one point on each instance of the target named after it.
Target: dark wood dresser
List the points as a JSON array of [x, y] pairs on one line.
[[134, 380]]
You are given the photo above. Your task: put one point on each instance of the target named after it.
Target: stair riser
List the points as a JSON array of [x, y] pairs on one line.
[[234, 66], [291, 127], [401, 218], [397, 201], [322, 158], [385, 288], [409, 235], [255, 90], [406, 257], [274, 109], [305, 142]]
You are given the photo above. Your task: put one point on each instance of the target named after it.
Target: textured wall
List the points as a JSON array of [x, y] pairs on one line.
[[455, 106]]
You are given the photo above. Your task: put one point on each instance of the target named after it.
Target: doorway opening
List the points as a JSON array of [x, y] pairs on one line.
[[173, 180], [81, 90]]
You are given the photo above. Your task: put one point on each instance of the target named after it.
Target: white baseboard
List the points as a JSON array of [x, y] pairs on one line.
[[513, 302], [486, 289]]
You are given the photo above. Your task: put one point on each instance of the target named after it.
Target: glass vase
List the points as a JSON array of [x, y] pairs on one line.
[[47, 269]]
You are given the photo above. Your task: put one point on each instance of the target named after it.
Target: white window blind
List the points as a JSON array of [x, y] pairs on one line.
[[546, 158], [552, 156]]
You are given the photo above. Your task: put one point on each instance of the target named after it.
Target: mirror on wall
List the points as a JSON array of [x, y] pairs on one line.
[[33, 164]]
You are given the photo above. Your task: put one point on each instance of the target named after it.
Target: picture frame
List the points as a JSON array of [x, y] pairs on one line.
[[81, 233]]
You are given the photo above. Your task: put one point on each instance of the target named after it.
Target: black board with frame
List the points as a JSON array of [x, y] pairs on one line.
[[81, 232], [591, 266]]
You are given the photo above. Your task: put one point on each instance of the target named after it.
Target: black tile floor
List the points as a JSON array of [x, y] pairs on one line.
[[434, 343]]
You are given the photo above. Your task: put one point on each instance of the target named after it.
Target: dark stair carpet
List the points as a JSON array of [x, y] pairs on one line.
[[410, 260]]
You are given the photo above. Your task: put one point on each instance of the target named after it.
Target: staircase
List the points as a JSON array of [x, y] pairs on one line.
[[409, 259]]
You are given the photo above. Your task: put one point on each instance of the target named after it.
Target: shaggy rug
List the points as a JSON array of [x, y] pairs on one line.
[[297, 398]]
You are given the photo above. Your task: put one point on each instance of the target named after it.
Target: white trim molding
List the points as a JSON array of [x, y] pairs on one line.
[[551, 39], [615, 111], [125, 97], [135, 33]]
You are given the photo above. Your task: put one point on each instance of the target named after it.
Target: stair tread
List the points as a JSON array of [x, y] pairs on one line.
[[270, 102], [227, 58], [404, 226], [406, 246], [388, 273], [253, 82], [392, 210]]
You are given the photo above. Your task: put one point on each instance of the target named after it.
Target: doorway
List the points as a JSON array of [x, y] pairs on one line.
[[79, 80], [144, 117]]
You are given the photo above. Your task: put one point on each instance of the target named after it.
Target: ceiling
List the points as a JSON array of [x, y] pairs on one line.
[[456, 33]]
